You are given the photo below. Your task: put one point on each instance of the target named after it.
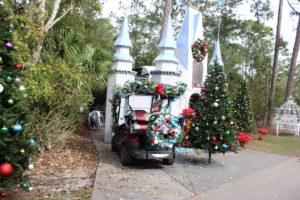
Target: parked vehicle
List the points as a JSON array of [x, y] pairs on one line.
[[130, 131]]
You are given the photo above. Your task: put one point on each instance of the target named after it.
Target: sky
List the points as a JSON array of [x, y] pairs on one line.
[[288, 25]]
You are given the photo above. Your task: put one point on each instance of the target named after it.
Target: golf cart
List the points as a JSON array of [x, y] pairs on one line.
[[130, 131]]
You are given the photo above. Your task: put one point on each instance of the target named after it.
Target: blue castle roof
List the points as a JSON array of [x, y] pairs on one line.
[[190, 31], [217, 55], [123, 39], [167, 42]]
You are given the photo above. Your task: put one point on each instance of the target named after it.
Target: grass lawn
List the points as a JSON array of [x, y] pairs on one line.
[[283, 144]]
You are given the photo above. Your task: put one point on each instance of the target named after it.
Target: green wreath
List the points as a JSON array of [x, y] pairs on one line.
[[199, 50]]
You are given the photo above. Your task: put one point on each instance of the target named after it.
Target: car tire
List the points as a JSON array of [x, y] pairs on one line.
[[168, 161], [126, 159], [114, 145]]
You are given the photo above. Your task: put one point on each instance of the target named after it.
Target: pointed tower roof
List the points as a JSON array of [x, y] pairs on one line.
[[217, 55], [167, 43], [123, 44], [167, 40], [190, 31], [123, 39], [191, 28]]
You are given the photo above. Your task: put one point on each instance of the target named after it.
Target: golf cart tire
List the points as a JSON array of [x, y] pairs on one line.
[[126, 159], [168, 161], [114, 145]]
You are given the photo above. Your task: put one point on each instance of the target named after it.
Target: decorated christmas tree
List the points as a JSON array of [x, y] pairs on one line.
[[243, 112], [16, 144], [213, 126]]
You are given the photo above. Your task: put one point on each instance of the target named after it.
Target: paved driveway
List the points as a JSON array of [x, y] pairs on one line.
[[247, 175]]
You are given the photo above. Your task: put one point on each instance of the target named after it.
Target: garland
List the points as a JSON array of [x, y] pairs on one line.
[[188, 114], [163, 131], [199, 50], [141, 85]]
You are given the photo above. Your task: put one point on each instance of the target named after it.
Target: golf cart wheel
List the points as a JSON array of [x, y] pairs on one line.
[[114, 146], [168, 161], [126, 159]]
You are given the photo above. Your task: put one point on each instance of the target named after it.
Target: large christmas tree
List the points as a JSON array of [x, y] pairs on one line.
[[16, 144], [213, 125], [243, 112]]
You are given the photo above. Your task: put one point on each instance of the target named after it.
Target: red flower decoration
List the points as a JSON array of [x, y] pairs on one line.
[[244, 137], [263, 131], [187, 112], [159, 90]]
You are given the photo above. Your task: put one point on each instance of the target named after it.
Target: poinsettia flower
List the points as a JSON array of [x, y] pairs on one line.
[[263, 131]]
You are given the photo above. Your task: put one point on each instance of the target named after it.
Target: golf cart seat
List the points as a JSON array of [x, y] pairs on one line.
[[139, 120]]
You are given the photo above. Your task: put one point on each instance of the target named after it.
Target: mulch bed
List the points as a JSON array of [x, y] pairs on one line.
[[67, 171]]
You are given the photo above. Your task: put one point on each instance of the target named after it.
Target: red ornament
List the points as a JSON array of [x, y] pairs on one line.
[[6, 169], [2, 195], [19, 66], [214, 138], [159, 90], [202, 89]]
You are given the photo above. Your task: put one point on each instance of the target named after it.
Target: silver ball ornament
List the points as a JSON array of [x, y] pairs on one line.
[[215, 104]]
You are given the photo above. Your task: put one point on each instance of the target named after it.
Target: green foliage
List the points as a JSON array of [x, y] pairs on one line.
[[58, 94], [213, 126], [243, 112], [15, 146]]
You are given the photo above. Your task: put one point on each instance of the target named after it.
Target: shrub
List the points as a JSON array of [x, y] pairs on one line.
[[57, 95]]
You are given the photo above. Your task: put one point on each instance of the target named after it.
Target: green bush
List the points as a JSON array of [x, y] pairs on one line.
[[57, 96]]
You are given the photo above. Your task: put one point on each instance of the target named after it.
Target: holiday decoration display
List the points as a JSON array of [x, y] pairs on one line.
[[2, 195], [159, 91], [199, 50], [163, 130], [188, 114], [243, 112], [15, 148], [243, 138], [24, 185], [17, 128], [262, 131], [1, 88], [6, 169], [213, 126]]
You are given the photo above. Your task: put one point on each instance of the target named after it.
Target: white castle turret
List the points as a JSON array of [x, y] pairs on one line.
[[193, 73], [166, 64], [121, 73]]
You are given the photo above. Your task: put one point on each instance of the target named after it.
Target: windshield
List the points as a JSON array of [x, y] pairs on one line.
[[140, 102]]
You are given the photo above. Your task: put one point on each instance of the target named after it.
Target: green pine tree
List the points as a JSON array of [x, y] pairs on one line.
[[16, 144], [213, 125], [243, 111]]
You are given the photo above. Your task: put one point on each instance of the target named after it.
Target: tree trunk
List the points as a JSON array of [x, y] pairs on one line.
[[167, 12], [43, 28], [290, 80], [275, 64], [36, 51]]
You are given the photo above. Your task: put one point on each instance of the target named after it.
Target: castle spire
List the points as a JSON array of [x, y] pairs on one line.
[[217, 55], [167, 45], [123, 44]]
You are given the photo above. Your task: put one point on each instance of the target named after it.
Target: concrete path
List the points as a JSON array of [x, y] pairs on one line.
[[247, 175]]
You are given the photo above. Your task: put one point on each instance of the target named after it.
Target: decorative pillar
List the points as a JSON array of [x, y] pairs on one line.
[[121, 73]]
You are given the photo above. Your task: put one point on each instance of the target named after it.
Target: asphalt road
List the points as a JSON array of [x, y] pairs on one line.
[[248, 175]]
